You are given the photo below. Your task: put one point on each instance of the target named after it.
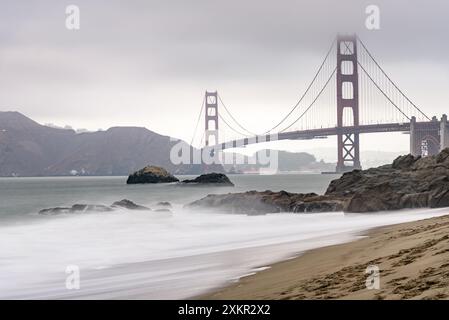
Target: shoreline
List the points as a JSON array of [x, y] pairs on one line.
[[411, 257]]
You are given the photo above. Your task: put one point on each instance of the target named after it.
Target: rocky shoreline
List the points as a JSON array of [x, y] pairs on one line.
[[409, 182]]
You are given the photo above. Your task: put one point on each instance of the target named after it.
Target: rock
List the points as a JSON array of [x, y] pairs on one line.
[[316, 206], [87, 208], [56, 210], [164, 204], [415, 200], [128, 204], [361, 203], [218, 179], [254, 202], [76, 208], [409, 182], [440, 199], [162, 210], [443, 156], [90, 208], [404, 162], [151, 174]]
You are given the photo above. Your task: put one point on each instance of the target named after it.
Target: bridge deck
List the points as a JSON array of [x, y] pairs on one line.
[[317, 133]]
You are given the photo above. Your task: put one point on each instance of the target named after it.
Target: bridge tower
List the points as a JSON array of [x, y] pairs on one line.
[[211, 118], [347, 100], [428, 138]]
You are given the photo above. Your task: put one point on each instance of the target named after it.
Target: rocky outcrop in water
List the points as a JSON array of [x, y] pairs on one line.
[[128, 204], [409, 182], [164, 204], [151, 174], [162, 210], [89, 208], [76, 208], [218, 179], [254, 202]]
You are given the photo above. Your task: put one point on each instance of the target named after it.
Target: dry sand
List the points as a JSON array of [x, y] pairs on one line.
[[413, 259]]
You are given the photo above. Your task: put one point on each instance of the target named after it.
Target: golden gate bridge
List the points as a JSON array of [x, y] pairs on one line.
[[350, 94]]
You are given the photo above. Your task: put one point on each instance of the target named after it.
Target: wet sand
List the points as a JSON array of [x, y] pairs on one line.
[[413, 262]]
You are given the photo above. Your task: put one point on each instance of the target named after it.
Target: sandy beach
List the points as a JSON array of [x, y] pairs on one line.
[[413, 260]]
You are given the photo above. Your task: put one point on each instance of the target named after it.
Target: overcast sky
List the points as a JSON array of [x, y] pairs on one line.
[[148, 63]]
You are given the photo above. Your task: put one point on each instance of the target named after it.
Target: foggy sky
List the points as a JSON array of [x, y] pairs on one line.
[[148, 63]]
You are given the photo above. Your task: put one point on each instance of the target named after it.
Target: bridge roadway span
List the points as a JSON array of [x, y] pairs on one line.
[[317, 134]]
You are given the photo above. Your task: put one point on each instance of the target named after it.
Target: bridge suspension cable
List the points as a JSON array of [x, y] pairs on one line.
[[307, 89], [383, 92], [198, 120], [298, 103], [390, 80], [231, 127], [233, 118], [313, 102]]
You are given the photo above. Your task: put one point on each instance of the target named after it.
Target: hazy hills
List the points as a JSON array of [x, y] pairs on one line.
[[30, 149], [285, 162]]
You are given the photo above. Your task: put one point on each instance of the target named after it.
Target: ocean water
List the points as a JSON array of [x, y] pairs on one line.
[[20, 197], [155, 255]]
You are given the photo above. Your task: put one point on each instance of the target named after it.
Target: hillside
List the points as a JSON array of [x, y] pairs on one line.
[[286, 162], [30, 149]]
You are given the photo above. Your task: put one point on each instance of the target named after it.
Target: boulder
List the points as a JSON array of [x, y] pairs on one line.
[[164, 204], [55, 210], [151, 174], [404, 162], [218, 179], [162, 210], [76, 208], [88, 208], [128, 204]]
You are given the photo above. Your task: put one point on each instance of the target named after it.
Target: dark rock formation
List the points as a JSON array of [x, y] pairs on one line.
[[409, 182], [163, 210], [56, 210], [128, 204], [165, 204], [151, 174], [218, 179], [88, 208], [76, 208], [254, 202]]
